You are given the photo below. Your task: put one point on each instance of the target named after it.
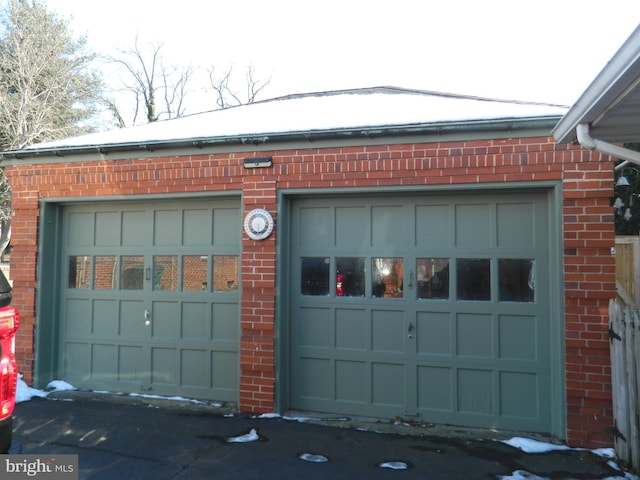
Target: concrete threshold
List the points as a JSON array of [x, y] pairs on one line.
[[414, 426]]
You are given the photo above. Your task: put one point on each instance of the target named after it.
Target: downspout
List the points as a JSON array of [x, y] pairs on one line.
[[590, 143]]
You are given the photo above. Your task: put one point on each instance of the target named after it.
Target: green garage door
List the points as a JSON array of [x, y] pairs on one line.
[[150, 298], [430, 306]]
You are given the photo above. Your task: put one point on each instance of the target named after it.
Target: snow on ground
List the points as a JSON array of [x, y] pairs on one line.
[[527, 445], [24, 392], [252, 436]]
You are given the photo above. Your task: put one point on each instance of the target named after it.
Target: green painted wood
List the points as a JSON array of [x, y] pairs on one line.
[[481, 363], [190, 345]]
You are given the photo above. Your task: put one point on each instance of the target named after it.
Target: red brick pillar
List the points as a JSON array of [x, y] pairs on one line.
[[257, 324]]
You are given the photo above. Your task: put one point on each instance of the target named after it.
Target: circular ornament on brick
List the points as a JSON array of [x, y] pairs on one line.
[[258, 224]]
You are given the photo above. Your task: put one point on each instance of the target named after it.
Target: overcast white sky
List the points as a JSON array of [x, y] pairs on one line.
[[539, 50]]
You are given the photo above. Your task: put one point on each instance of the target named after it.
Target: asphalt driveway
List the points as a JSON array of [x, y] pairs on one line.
[[121, 439]]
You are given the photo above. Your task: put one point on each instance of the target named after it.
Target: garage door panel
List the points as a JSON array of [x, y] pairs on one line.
[[352, 228], [79, 322], [315, 227], [386, 223], [165, 232], [77, 359], [433, 226], [223, 235], [388, 331], [317, 379], [80, 229], [476, 391], [164, 366], [519, 337], [104, 362], [434, 333], [149, 298], [351, 381], [108, 229], [131, 366], [475, 336], [105, 318], [351, 325], [195, 377], [165, 320], [136, 229], [195, 321], [132, 319], [225, 326], [388, 385], [435, 392], [315, 327], [519, 395], [515, 225], [473, 226], [224, 374], [463, 339], [197, 227]]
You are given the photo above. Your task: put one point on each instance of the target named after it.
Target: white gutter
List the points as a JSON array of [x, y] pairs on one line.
[[590, 143]]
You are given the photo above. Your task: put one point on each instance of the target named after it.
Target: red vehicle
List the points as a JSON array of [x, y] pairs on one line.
[[9, 323]]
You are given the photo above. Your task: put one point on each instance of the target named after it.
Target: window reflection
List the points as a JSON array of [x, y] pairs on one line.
[[314, 276], [104, 275], [80, 271], [195, 269], [387, 277], [516, 280], [350, 280], [474, 279], [165, 272], [225, 273], [131, 272], [433, 278]]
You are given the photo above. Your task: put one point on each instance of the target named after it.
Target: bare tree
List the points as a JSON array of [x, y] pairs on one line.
[[227, 95], [47, 88], [158, 90]]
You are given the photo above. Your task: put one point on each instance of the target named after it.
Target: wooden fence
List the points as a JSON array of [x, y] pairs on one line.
[[628, 269], [624, 332]]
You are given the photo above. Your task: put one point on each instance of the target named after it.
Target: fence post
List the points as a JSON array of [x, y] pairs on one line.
[[619, 382], [631, 318]]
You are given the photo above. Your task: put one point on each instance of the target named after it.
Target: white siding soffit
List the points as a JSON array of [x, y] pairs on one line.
[[607, 112]]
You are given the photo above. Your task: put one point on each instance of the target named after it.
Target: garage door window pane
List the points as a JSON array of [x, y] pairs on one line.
[[314, 275], [225, 273], [433, 278], [350, 277], [516, 280], [195, 269], [104, 275], [80, 271], [387, 277], [474, 279], [165, 272], [131, 272]]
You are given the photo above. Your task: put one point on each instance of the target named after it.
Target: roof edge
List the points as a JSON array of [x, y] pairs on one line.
[[603, 89], [510, 124]]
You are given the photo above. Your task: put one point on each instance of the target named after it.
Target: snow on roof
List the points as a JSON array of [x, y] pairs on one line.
[[317, 112]]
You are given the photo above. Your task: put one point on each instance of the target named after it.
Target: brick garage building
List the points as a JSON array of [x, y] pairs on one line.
[[431, 256]]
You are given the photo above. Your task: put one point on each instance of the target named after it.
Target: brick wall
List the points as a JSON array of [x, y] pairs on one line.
[[588, 234]]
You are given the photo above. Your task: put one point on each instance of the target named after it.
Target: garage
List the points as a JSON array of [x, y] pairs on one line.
[[421, 255], [434, 307], [150, 297]]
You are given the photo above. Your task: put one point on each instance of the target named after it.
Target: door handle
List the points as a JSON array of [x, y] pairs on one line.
[[147, 318], [410, 330]]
